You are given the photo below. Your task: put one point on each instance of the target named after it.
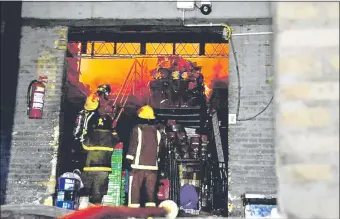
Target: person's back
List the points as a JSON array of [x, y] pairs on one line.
[[149, 146], [143, 157], [98, 140]]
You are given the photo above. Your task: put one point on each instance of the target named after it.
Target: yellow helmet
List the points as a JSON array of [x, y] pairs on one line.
[[146, 112], [185, 75], [92, 102], [176, 75]]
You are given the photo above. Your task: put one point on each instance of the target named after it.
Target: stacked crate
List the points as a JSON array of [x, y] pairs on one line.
[[122, 191], [113, 195]]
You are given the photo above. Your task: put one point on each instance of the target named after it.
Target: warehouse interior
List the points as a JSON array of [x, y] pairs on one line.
[[262, 30], [119, 56]]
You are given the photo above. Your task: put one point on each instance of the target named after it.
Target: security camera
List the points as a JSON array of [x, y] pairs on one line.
[[205, 7]]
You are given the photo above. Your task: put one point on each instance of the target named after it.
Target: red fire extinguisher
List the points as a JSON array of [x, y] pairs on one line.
[[35, 99], [163, 189]]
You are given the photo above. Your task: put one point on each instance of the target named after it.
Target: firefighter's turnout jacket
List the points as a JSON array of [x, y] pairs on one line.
[[99, 144], [143, 155], [144, 147], [99, 139]]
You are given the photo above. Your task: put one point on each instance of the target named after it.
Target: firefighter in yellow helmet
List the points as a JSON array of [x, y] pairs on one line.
[[142, 154], [99, 113], [94, 108], [179, 87], [183, 88], [98, 139]]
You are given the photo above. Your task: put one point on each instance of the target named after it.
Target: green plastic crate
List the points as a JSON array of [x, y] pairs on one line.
[[116, 160], [114, 185], [116, 166], [113, 193], [115, 178], [117, 154], [116, 171]]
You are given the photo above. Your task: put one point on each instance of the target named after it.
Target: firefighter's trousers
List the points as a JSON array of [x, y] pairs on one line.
[[136, 179], [96, 185]]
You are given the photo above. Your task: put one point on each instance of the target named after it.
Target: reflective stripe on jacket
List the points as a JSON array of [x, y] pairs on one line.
[[144, 147], [99, 145]]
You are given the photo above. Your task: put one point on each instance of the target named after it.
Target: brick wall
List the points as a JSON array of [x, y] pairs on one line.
[[251, 143], [307, 105], [31, 176]]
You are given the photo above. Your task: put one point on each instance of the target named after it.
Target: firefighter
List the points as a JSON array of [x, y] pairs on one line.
[[175, 88], [98, 140], [184, 86], [196, 85], [160, 87], [143, 156], [97, 104], [199, 79]]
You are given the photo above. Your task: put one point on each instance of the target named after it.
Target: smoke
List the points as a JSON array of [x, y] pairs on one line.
[[219, 76]]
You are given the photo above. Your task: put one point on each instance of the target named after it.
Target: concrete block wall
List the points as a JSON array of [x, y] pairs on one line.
[[33, 154], [251, 143], [307, 108]]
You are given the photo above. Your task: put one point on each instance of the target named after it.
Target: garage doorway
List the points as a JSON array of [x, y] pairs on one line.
[[121, 55], [124, 58]]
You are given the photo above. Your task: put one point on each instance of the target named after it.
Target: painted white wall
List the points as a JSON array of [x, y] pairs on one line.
[[141, 10]]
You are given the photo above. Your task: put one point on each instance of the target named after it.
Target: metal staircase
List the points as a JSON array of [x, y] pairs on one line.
[[217, 137], [188, 117]]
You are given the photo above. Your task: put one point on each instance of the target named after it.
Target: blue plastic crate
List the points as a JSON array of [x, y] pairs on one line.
[[68, 184], [65, 204]]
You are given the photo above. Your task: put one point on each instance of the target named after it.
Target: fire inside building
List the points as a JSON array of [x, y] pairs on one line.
[[139, 109], [131, 115], [178, 79]]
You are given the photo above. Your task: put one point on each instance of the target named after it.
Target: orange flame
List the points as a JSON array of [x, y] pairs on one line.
[[207, 91], [93, 72]]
